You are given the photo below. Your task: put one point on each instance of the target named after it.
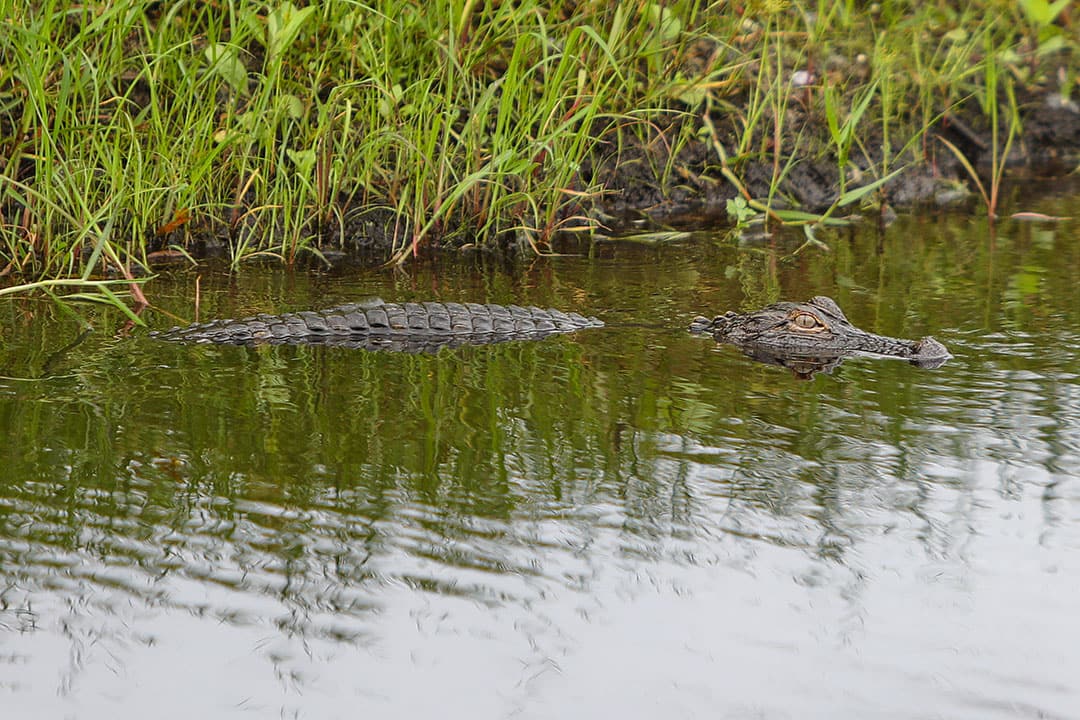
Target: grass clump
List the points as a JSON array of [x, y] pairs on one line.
[[265, 124], [132, 127]]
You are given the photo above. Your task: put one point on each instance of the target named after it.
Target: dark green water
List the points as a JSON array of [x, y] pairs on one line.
[[626, 522]]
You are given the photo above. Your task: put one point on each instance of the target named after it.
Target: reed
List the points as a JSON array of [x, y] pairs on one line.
[[266, 126]]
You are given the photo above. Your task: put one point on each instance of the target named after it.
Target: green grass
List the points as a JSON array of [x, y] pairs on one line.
[[133, 126]]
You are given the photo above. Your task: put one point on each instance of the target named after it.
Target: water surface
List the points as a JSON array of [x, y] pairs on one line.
[[625, 522]]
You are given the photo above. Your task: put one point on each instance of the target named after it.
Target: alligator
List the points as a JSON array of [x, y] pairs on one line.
[[377, 325], [811, 337], [806, 337]]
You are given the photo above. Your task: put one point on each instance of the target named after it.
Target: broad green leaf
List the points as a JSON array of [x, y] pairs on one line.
[[860, 192], [283, 26], [291, 106], [800, 217], [1042, 12], [304, 160], [664, 19], [225, 61]]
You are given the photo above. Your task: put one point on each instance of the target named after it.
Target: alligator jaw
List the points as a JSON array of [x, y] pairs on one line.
[[924, 353]]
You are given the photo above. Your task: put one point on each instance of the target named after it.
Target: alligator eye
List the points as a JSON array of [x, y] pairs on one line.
[[806, 321]]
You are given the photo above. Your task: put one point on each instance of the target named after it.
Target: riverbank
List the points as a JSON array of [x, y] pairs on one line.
[[132, 133]]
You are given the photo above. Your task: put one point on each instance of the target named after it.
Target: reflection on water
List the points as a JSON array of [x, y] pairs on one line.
[[627, 521]]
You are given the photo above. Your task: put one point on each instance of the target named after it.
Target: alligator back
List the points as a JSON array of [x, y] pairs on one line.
[[376, 325]]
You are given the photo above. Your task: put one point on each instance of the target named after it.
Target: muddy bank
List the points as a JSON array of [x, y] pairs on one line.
[[630, 169], [1048, 145], [641, 178]]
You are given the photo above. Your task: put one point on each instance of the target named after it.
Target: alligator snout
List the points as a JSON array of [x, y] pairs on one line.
[[929, 353]]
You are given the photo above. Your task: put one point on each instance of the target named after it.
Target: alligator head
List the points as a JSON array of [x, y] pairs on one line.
[[812, 336]]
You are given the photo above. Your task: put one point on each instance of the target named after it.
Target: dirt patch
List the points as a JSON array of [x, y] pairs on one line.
[[1049, 144], [641, 177]]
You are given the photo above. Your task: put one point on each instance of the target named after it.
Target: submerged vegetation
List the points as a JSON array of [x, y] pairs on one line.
[[130, 130]]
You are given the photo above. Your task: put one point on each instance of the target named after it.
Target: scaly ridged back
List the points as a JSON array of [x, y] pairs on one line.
[[405, 326]]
